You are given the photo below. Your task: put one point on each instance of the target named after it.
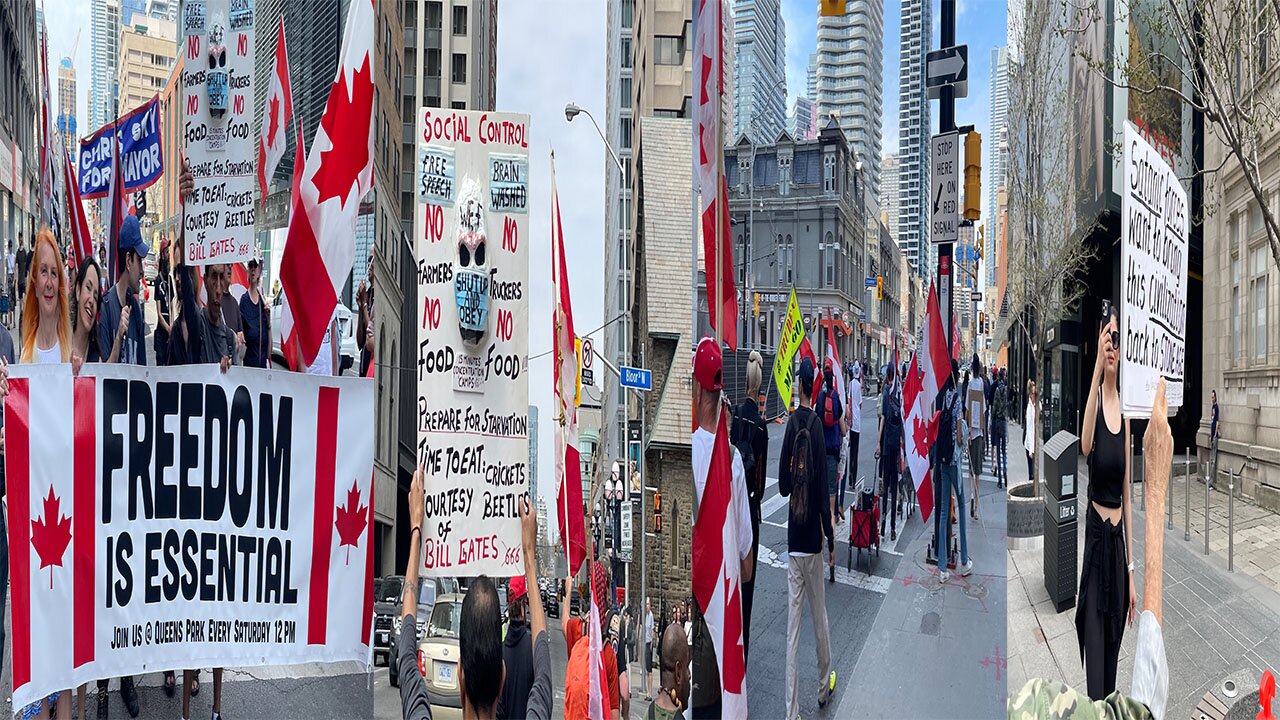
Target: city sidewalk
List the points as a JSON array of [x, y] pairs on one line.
[[934, 650], [1216, 623]]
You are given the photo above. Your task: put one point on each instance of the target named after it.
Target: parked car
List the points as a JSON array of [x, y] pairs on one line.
[[429, 589], [387, 592], [550, 599], [348, 349], [439, 656]]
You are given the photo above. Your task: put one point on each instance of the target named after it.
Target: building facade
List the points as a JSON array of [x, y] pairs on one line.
[[913, 136], [804, 119], [799, 222], [103, 41], [19, 105], [450, 59], [620, 97], [889, 193], [67, 116], [997, 145], [147, 54], [850, 74], [759, 70]]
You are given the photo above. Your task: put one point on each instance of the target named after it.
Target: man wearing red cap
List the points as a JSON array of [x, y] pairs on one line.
[[708, 382], [517, 653]]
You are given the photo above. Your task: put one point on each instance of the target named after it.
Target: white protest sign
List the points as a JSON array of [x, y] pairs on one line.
[[217, 96], [471, 223], [183, 517], [1154, 225]]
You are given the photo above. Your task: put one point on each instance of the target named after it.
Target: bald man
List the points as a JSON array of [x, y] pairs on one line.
[[673, 697]]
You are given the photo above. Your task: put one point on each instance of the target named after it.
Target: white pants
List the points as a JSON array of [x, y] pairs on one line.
[[805, 579]]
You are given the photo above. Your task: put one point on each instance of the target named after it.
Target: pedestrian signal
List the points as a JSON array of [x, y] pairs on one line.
[[832, 8], [879, 287]]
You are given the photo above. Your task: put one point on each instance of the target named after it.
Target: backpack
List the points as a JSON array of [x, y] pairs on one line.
[[705, 678], [999, 403], [740, 436], [801, 448], [945, 445], [828, 409]]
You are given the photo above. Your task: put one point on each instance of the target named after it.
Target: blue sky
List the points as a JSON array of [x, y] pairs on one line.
[[981, 24]]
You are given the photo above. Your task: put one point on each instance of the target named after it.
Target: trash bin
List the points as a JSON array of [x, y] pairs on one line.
[[1060, 517]]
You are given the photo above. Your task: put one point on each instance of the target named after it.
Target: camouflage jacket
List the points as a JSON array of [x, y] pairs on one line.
[[1050, 700]]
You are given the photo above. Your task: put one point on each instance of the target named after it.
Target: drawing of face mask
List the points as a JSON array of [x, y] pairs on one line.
[[216, 80], [471, 267]]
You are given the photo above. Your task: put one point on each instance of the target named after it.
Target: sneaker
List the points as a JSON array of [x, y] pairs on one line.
[[893, 535], [216, 715], [129, 694], [965, 570], [944, 576], [829, 689]]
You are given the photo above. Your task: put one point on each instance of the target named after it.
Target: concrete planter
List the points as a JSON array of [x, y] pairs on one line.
[[1025, 517]]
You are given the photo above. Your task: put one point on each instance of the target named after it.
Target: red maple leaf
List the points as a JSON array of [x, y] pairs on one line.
[[275, 121], [351, 520], [346, 122], [51, 538]]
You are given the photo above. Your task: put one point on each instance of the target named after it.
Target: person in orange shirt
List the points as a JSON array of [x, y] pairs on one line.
[[576, 679]]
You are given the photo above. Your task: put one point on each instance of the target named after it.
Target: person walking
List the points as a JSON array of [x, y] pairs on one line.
[[803, 478], [750, 437], [1029, 429], [889, 450], [830, 409], [947, 456], [648, 648], [1213, 438], [1106, 579], [975, 412], [1000, 429], [855, 430], [708, 384], [255, 319]]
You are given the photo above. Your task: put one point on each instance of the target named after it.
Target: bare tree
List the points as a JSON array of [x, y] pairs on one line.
[[1047, 252], [1212, 57]]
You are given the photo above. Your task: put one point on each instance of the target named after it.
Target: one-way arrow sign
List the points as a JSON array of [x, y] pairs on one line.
[[948, 66]]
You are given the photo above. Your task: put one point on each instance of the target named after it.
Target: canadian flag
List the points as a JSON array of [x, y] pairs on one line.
[[573, 533], [279, 112], [289, 340], [708, 53], [835, 357], [925, 377], [717, 574], [81, 241], [319, 251], [595, 692]]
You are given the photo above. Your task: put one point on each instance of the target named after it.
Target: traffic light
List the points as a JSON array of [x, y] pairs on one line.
[[832, 8], [657, 512], [981, 323], [972, 175], [755, 304], [879, 287]]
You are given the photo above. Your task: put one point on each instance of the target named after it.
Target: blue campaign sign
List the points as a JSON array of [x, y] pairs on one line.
[[637, 378], [141, 156]]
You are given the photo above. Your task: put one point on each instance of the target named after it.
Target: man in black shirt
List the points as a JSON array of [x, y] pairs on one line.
[[480, 631]]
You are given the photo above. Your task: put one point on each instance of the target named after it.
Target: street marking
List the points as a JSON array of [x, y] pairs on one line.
[[874, 583], [772, 505]]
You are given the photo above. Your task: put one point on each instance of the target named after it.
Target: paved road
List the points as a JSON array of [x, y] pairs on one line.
[[852, 602]]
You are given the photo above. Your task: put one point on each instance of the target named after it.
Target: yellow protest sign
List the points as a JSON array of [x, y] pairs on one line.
[[788, 342]]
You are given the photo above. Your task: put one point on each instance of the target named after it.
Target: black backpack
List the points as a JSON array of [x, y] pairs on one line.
[[705, 679], [999, 402], [945, 445], [801, 448], [741, 436]]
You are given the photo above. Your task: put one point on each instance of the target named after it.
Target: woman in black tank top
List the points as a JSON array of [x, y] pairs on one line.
[[1106, 576]]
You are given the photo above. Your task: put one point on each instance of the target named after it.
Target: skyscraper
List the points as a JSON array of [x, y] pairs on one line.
[[804, 119], [913, 136], [103, 43], [850, 70], [66, 119], [889, 194], [620, 96], [995, 156], [811, 78], [759, 70]]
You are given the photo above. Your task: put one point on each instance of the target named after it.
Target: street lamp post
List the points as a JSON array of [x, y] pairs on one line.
[[571, 110]]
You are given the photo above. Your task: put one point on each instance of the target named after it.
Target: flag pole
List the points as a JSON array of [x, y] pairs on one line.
[[719, 151]]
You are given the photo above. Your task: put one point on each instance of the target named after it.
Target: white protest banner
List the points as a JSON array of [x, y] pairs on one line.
[[217, 95], [182, 517], [472, 222], [1154, 226]]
